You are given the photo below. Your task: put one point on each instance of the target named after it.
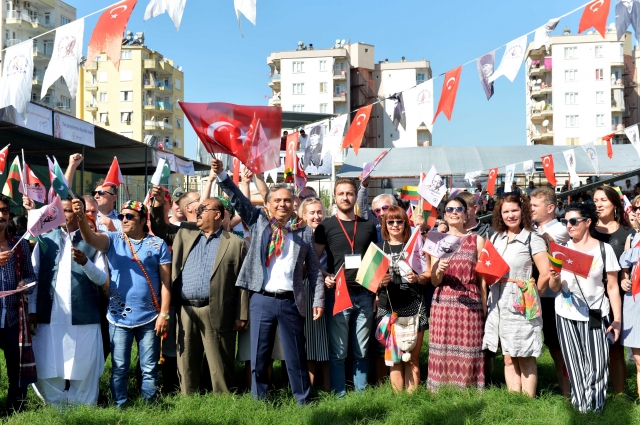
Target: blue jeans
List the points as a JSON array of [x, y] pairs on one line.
[[121, 340], [352, 327]]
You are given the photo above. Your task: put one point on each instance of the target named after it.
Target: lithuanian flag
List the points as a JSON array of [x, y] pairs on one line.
[[410, 193], [14, 174], [429, 214], [556, 264], [374, 265]]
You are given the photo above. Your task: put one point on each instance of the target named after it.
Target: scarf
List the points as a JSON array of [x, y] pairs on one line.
[[279, 233], [526, 300], [386, 335]]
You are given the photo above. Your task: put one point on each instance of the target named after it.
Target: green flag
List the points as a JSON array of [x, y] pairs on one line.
[[161, 175], [59, 181]]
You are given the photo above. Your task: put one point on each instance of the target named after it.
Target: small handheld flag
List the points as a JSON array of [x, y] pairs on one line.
[[555, 263]]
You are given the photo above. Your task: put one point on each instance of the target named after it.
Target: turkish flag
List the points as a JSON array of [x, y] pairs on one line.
[[342, 299], [356, 131], [299, 175], [635, 281], [491, 266], [235, 163], [3, 158], [34, 187], [449, 92], [549, 169], [290, 157], [573, 261], [245, 132], [595, 15], [107, 35], [491, 183], [607, 139], [114, 176]]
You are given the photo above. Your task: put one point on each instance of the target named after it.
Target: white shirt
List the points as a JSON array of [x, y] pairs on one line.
[[278, 276], [556, 231]]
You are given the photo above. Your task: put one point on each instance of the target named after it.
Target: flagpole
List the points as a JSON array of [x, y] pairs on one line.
[[23, 177]]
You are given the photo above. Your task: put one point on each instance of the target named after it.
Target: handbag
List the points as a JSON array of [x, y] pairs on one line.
[[406, 331], [595, 315]]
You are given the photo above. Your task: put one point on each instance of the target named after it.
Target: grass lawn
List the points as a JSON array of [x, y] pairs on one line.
[[379, 405]]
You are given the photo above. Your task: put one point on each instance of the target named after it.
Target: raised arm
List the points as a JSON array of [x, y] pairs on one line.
[[99, 241], [159, 227], [261, 185], [245, 182], [363, 201], [74, 162], [206, 192], [241, 203]]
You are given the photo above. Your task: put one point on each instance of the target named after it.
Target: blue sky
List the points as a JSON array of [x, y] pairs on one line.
[[222, 66]]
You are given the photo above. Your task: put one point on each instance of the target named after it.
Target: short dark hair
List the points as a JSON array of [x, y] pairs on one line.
[[467, 197], [345, 181], [100, 182], [525, 220], [396, 213], [5, 200], [71, 198], [586, 210], [279, 186]]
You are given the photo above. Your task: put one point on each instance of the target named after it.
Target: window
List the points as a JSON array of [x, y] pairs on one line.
[[422, 136], [600, 120], [177, 84], [298, 88], [323, 65], [570, 52], [103, 77], [104, 117], [571, 98], [599, 51], [419, 79], [573, 141], [126, 96], [339, 90], [178, 122], [572, 121], [64, 20], [178, 142], [571, 75], [128, 134], [65, 103], [126, 75], [323, 108], [298, 108], [615, 120], [104, 97], [125, 116], [324, 87], [599, 74], [599, 97], [126, 54], [298, 67], [339, 109]]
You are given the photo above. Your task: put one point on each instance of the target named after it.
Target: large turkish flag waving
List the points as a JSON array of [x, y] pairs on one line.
[[595, 15], [107, 35], [357, 129]]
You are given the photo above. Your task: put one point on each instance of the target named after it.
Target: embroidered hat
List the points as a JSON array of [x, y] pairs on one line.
[[136, 206], [227, 206]]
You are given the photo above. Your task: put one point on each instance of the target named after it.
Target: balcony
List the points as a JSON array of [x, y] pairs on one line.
[[91, 106], [340, 97], [93, 66], [91, 86], [38, 78], [151, 84], [166, 67], [63, 106], [16, 18], [275, 101], [339, 74], [617, 83], [617, 107], [152, 64], [10, 42], [158, 125], [158, 106], [546, 89], [41, 53], [275, 81]]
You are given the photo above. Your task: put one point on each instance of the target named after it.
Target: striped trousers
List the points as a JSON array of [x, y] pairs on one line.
[[586, 355]]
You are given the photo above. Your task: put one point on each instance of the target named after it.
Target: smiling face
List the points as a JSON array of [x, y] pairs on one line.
[[281, 204], [134, 227], [313, 214], [458, 215], [511, 215]]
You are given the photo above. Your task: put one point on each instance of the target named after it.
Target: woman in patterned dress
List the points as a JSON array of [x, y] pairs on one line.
[[457, 310]]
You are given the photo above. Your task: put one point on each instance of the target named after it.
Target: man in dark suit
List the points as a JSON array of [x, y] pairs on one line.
[[282, 246], [210, 308]]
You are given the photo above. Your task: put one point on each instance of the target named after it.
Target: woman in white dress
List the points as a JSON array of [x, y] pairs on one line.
[[514, 319]]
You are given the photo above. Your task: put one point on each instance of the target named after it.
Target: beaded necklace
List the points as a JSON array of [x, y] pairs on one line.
[[144, 272]]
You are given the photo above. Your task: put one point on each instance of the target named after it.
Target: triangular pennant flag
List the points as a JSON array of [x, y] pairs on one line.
[[595, 15], [342, 298], [432, 187], [114, 176], [46, 218], [449, 91], [485, 65], [3, 158], [375, 264], [17, 77], [491, 182], [370, 166], [527, 166], [541, 37], [512, 59], [66, 56], [175, 9], [627, 13], [247, 8], [357, 129], [399, 117], [491, 266], [570, 158], [607, 139], [549, 169], [633, 134], [107, 34], [509, 173], [572, 260], [413, 252], [591, 152], [472, 176], [161, 175], [418, 106]]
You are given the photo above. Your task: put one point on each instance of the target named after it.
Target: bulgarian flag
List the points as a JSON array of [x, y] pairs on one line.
[[374, 265], [410, 193], [14, 174], [555, 263]]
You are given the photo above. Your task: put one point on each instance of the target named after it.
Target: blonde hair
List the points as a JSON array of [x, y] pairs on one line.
[[310, 201]]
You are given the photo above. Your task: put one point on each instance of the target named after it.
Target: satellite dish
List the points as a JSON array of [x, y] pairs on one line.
[[342, 43], [545, 123]]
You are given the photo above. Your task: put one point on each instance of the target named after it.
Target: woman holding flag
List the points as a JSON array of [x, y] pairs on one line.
[[582, 309], [458, 309]]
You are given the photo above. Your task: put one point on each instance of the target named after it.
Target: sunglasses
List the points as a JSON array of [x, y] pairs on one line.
[[572, 221], [634, 209], [101, 193], [302, 198], [203, 208], [4, 210], [449, 210], [395, 223], [377, 211], [128, 216]]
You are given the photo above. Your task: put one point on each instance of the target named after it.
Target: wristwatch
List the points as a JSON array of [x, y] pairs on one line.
[[165, 316]]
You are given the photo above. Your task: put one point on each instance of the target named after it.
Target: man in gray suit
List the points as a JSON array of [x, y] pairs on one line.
[[282, 246]]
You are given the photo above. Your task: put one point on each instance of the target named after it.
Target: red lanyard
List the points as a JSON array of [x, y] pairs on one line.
[[355, 228]]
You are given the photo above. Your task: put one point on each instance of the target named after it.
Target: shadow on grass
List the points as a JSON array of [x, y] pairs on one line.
[[348, 414]]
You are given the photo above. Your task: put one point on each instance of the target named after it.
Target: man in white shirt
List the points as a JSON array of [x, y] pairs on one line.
[[543, 206]]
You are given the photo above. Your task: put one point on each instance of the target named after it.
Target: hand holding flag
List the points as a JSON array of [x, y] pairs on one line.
[[375, 264], [370, 166], [161, 175], [572, 260], [556, 264], [343, 300], [491, 266]]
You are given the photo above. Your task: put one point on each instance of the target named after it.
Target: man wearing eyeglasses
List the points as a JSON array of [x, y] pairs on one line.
[[140, 295], [379, 205], [106, 197], [210, 308]]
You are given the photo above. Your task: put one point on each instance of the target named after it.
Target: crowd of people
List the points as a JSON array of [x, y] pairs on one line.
[[200, 282]]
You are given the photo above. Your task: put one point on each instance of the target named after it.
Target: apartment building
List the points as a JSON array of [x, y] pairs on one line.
[[582, 89], [139, 100], [23, 20]]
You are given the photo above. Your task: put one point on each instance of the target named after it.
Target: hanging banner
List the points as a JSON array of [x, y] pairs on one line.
[[528, 168], [39, 118], [333, 140], [418, 106], [634, 136], [185, 167], [17, 77], [73, 130], [169, 157], [315, 161], [512, 59], [508, 176], [590, 149], [570, 157]]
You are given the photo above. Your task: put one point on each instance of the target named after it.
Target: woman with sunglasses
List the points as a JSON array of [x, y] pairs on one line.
[[514, 319], [613, 228], [400, 293], [458, 309], [582, 311]]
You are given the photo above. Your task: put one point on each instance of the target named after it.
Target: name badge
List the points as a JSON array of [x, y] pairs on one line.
[[352, 261]]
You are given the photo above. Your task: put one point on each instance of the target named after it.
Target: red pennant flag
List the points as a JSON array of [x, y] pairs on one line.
[[491, 183], [235, 165], [299, 176], [250, 133], [549, 169], [3, 158], [607, 139], [595, 15], [107, 35], [370, 166], [574, 261], [342, 299], [429, 214], [410, 215], [356, 131], [290, 157], [449, 92], [114, 176], [635, 281], [491, 266]]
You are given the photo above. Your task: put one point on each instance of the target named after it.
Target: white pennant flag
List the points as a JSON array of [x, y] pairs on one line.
[[570, 157], [333, 139], [175, 9], [418, 106], [17, 77], [509, 173], [472, 176], [590, 149], [247, 8], [634, 136], [67, 53], [528, 168], [432, 187], [512, 59], [541, 37]]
